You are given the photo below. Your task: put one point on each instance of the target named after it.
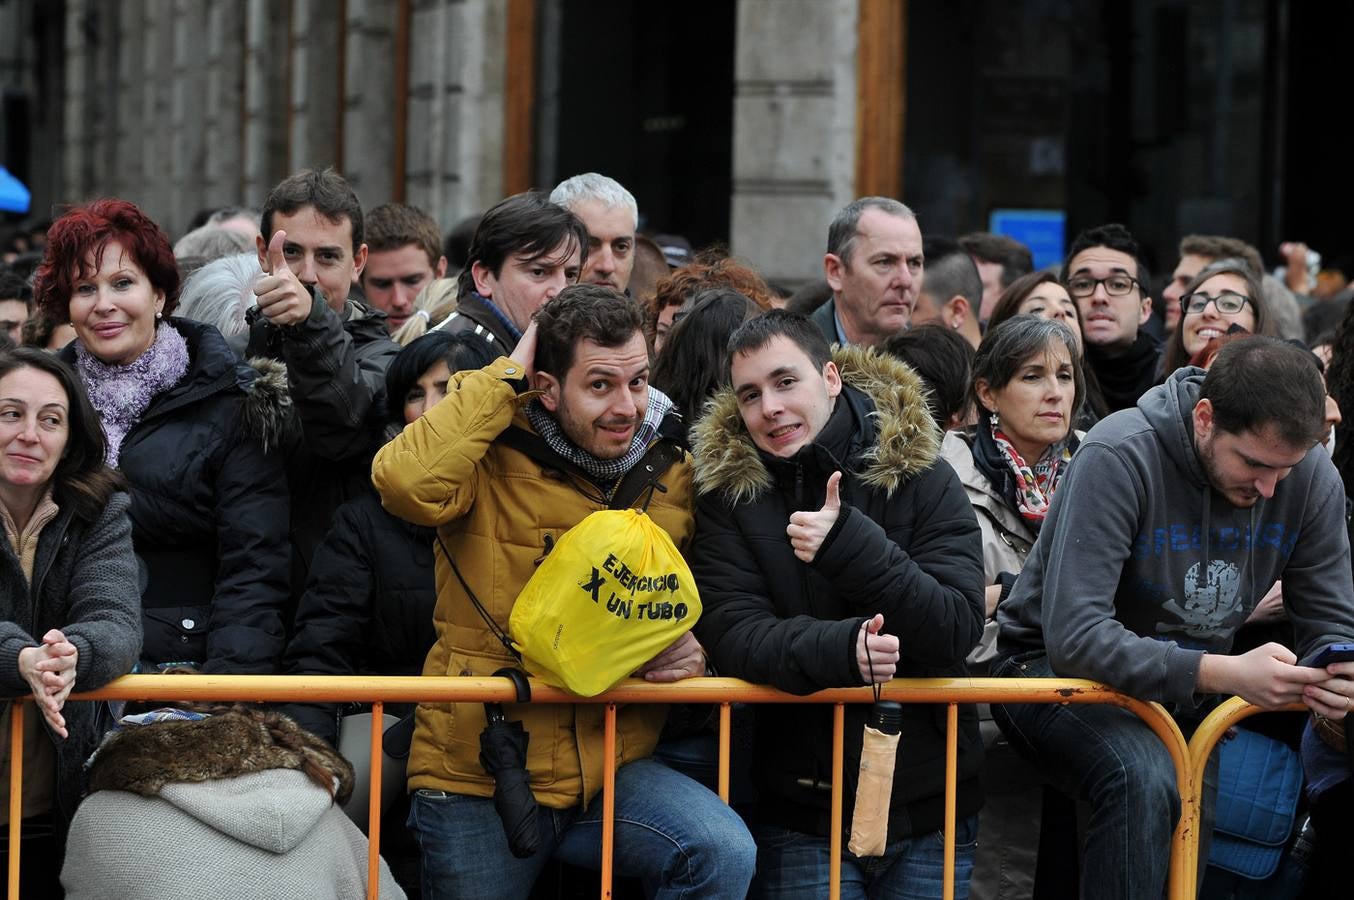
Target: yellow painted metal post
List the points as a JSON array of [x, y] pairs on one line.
[[374, 803], [725, 722], [608, 799], [16, 790], [834, 864], [951, 780]]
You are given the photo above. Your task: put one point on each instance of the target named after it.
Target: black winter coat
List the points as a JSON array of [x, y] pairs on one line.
[[368, 609], [209, 511], [336, 368], [906, 544]]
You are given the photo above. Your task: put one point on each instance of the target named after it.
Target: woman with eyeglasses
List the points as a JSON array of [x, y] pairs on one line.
[[1224, 294]]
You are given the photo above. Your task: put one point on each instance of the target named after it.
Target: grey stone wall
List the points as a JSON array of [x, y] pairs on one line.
[[179, 105], [456, 78], [794, 131]]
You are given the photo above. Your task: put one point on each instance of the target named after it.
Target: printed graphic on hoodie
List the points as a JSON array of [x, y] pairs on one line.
[[1211, 604]]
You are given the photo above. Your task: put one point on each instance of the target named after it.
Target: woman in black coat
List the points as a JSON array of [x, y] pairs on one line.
[[68, 611], [193, 430], [368, 605]]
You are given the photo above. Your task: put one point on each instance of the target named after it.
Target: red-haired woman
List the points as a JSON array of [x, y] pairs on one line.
[[193, 429]]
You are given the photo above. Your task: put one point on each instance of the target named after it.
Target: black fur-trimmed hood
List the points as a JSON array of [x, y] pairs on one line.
[[908, 442]]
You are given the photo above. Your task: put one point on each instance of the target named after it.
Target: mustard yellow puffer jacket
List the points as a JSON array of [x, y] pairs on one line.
[[493, 508]]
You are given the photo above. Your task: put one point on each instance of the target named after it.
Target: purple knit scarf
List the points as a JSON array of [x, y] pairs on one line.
[[121, 394]]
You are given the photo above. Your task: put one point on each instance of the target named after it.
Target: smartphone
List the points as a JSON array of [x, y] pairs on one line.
[[1333, 654]]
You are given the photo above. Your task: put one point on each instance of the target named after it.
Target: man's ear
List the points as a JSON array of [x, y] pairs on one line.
[[544, 381], [1203, 419], [957, 311], [1146, 310], [833, 378], [359, 262], [833, 270], [440, 270], [262, 246], [482, 277]]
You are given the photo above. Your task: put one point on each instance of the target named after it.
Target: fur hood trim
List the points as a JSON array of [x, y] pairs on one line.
[[267, 412], [144, 758], [907, 440]]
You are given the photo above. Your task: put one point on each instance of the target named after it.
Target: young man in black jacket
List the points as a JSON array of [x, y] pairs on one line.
[[882, 577], [336, 348]]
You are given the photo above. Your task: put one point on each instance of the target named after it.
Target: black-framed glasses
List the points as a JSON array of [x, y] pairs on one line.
[[1115, 285], [1227, 303]]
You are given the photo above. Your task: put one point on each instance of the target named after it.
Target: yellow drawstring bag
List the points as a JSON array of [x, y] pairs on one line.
[[613, 594]]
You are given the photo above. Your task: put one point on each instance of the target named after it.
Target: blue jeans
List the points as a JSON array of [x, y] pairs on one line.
[[671, 833], [792, 864], [1110, 758]]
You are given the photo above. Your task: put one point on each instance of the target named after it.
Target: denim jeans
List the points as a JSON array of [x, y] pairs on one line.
[[671, 833], [1110, 758], [791, 864]]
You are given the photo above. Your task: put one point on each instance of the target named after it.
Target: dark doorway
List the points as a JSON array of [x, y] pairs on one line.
[[643, 94]]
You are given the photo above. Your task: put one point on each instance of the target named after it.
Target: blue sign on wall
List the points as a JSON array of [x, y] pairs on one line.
[[1044, 231]]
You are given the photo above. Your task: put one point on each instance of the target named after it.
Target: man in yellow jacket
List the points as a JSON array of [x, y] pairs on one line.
[[515, 455]]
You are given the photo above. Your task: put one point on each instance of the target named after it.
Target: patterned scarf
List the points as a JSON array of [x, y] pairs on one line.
[[1034, 486], [121, 394], [604, 471]]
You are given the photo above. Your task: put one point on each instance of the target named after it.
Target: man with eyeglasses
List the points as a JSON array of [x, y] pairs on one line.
[[1105, 274]]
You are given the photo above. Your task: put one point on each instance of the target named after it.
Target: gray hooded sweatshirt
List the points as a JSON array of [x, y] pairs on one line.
[[264, 835], [1140, 567]]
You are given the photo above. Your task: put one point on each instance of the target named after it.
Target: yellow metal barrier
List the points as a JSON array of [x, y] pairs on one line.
[[719, 691]]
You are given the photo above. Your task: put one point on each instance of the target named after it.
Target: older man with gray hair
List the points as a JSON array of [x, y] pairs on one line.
[[611, 215], [874, 267]]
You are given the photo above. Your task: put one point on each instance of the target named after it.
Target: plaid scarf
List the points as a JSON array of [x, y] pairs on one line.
[[1034, 486], [604, 471]]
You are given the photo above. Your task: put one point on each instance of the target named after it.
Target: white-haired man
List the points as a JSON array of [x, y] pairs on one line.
[[611, 215]]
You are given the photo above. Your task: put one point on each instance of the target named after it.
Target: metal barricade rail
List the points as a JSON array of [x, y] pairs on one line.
[[717, 691]]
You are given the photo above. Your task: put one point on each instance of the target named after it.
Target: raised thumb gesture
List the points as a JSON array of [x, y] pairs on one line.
[[807, 530], [282, 297], [834, 500]]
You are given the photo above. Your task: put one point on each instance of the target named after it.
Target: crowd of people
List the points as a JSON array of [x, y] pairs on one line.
[[313, 439]]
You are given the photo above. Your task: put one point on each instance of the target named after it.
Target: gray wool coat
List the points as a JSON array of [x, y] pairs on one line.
[[84, 583]]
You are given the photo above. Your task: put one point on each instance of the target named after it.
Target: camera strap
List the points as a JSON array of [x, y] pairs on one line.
[[495, 629]]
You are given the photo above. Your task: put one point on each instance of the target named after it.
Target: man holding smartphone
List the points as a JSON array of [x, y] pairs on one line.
[[1173, 520]]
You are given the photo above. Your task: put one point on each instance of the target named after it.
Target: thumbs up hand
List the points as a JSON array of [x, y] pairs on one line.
[[808, 529], [282, 297]]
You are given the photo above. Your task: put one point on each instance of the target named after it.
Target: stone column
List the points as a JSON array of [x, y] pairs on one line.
[[456, 60], [368, 102], [794, 131], [266, 68]]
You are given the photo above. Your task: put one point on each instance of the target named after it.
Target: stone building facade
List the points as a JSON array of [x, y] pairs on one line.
[[179, 105]]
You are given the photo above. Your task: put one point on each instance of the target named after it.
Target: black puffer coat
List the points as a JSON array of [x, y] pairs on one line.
[[906, 544], [336, 369], [209, 511], [368, 609]]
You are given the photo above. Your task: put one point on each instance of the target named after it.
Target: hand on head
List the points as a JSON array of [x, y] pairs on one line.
[[524, 354]]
